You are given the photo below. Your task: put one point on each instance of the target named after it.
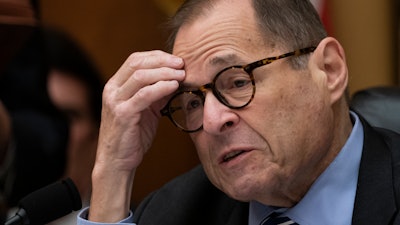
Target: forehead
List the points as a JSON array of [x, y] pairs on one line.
[[225, 34]]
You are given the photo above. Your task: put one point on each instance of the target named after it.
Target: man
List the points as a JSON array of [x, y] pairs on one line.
[[275, 137]]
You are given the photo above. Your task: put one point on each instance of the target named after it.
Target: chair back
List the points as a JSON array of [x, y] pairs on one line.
[[380, 106]]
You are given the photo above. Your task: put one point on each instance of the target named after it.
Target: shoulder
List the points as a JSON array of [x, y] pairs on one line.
[[382, 138], [377, 196], [189, 199], [381, 155]]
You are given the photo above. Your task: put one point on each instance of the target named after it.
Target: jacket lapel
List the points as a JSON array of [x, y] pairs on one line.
[[375, 195]]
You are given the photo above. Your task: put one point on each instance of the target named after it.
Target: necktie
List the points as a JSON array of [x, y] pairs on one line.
[[274, 219]]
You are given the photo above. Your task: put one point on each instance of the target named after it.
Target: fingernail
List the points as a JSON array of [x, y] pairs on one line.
[[180, 72], [177, 61]]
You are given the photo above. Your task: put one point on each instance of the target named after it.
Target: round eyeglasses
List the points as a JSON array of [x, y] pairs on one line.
[[233, 86]]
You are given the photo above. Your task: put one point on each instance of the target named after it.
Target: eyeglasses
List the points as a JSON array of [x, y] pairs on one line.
[[233, 86]]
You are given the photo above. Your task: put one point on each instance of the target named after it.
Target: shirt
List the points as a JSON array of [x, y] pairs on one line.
[[84, 214]]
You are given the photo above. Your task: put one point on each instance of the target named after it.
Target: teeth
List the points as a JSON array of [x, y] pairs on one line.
[[231, 155]]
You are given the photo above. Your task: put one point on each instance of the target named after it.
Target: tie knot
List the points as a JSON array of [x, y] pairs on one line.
[[276, 219]]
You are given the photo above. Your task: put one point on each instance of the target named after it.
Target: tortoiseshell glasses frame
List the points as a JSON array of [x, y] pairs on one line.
[[233, 86]]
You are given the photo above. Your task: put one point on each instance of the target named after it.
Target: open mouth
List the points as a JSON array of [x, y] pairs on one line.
[[232, 155]]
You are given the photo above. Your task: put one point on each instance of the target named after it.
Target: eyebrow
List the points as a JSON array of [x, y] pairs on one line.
[[223, 60]]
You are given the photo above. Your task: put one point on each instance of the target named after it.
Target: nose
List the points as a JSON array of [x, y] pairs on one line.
[[217, 117]]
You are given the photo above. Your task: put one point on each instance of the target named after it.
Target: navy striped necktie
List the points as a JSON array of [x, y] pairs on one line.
[[274, 219]]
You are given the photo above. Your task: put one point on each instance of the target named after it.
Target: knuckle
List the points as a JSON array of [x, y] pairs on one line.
[[121, 111], [152, 58], [142, 94], [134, 60], [108, 88], [107, 100], [138, 76]]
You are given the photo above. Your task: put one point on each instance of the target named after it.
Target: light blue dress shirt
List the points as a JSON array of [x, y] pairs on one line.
[[84, 214], [330, 200]]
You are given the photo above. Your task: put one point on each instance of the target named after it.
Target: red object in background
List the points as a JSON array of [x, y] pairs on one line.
[[324, 12]]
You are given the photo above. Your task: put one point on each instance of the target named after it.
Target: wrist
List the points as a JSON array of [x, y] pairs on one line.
[[111, 194]]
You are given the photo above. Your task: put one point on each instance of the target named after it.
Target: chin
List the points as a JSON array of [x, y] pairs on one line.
[[241, 195], [243, 190]]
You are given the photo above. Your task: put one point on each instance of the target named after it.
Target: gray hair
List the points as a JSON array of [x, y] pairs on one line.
[[288, 24]]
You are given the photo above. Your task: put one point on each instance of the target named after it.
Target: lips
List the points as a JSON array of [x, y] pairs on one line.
[[232, 155]]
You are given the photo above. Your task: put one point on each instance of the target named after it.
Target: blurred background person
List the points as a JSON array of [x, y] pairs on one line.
[[52, 100], [75, 87], [36, 152]]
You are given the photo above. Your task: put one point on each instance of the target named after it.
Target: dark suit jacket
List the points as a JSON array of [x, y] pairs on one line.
[[192, 199]]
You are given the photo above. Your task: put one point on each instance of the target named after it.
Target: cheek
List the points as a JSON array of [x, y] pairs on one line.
[[202, 148], [199, 144], [281, 101], [288, 114], [206, 157]]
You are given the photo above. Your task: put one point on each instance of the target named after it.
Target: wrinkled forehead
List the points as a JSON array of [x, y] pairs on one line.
[[225, 31]]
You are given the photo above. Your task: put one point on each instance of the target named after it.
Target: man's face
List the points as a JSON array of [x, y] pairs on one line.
[[274, 148], [71, 96]]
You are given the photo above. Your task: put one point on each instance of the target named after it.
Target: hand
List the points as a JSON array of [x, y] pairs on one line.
[[132, 99]]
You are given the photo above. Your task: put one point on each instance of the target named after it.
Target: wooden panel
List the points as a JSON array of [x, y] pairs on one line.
[[367, 31]]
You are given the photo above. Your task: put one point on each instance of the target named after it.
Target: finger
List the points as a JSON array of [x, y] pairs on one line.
[[146, 60], [142, 78], [148, 95]]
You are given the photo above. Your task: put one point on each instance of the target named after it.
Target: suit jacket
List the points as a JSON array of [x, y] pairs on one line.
[[192, 199]]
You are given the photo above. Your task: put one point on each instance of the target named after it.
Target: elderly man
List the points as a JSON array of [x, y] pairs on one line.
[[261, 89]]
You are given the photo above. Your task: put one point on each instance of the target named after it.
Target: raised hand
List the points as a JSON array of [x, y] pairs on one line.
[[132, 99]]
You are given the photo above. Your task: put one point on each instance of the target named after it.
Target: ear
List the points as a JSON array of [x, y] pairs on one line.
[[330, 59]]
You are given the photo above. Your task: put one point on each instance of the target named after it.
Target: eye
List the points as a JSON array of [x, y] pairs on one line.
[[233, 80], [238, 83], [193, 103]]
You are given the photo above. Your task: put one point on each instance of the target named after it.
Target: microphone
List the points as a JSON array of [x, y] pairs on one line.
[[47, 204]]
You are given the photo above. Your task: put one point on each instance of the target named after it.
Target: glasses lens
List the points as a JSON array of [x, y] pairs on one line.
[[234, 87], [186, 110]]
